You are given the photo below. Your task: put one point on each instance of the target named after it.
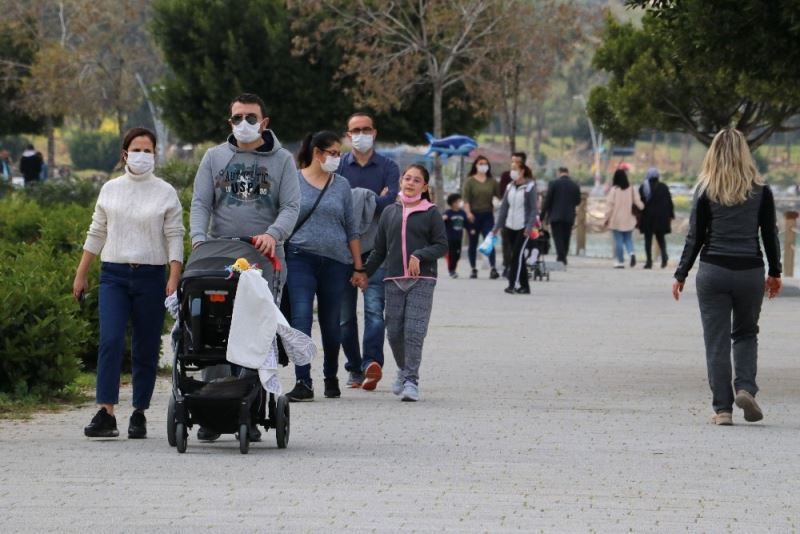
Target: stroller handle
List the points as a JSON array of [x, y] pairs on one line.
[[273, 259]]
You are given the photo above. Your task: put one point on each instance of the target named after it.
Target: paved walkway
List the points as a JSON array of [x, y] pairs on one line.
[[581, 408]]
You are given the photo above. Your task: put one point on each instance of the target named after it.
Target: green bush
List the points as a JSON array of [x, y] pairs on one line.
[[94, 150], [65, 191], [20, 219], [41, 329], [179, 173]]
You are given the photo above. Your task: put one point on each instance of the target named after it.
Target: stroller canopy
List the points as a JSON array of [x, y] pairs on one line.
[[211, 257]]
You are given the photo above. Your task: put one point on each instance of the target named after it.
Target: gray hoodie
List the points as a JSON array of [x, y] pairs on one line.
[[245, 193]]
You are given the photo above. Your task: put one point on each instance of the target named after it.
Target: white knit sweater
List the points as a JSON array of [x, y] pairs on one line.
[[137, 219]]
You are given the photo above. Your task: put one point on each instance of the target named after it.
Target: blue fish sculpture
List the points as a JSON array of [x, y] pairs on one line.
[[452, 145]]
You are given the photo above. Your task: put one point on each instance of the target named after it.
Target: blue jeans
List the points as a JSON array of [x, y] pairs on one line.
[[312, 275], [484, 223], [622, 239], [374, 326], [135, 294]]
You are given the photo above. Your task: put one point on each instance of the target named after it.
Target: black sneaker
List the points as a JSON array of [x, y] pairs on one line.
[[633, 260], [523, 291], [102, 426], [300, 393], [493, 274], [332, 390], [474, 273], [509, 290], [137, 427], [204, 434]]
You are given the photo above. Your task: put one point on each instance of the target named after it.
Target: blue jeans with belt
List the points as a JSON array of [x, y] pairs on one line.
[[135, 294], [313, 275]]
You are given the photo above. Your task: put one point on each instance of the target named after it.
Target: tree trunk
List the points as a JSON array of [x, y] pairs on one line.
[[512, 126], [537, 145], [51, 145], [438, 181]]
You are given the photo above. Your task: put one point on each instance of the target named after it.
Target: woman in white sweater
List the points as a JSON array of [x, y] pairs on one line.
[[620, 218], [137, 229]]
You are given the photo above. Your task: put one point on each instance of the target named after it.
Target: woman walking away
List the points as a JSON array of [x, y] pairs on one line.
[[137, 229], [731, 206], [656, 217], [321, 255], [479, 190], [516, 218], [411, 237], [620, 218]]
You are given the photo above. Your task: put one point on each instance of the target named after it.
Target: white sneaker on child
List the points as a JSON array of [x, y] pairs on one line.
[[397, 385], [410, 392]]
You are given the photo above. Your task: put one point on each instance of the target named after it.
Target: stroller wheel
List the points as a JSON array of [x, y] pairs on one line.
[[180, 437], [171, 422], [244, 439], [282, 422]]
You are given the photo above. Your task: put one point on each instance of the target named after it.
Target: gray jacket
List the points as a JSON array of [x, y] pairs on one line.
[[245, 193], [531, 211], [366, 216]]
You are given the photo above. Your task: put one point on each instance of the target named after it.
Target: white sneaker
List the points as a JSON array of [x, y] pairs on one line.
[[397, 385], [619, 265], [410, 392]]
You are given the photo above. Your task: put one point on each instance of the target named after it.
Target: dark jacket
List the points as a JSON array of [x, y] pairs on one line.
[[531, 211], [728, 235], [425, 238], [658, 210], [563, 197], [30, 165]]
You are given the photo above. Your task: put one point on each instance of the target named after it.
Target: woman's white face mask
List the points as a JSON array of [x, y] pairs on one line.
[[140, 162], [330, 164]]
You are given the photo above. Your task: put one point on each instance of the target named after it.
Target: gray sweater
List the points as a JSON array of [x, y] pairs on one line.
[[245, 193], [331, 226], [531, 211]]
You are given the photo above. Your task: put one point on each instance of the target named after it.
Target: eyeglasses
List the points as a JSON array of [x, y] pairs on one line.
[[251, 118], [357, 131], [333, 153]]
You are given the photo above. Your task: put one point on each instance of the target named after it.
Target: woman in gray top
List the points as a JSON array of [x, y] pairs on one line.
[[732, 207], [322, 253]]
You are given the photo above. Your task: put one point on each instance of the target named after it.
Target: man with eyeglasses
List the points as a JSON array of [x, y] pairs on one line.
[[246, 186], [365, 168]]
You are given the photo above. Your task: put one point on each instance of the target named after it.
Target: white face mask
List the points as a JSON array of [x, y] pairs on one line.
[[330, 164], [362, 142], [514, 174], [244, 132], [140, 162], [483, 169]]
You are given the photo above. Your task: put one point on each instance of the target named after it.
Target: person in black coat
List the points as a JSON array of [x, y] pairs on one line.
[[563, 198], [30, 165], [657, 216]]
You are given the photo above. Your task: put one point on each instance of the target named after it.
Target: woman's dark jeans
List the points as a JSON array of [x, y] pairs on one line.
[[484, 223], [312, 275], [134, 293]]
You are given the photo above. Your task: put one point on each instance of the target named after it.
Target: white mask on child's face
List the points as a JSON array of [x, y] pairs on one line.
[[514, 174]]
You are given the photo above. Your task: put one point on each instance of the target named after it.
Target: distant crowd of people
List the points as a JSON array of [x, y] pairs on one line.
[[31, 165]]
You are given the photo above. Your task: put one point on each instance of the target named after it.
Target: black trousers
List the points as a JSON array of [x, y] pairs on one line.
[[517, 270], [648, 245], [562, 232], [453, 254]]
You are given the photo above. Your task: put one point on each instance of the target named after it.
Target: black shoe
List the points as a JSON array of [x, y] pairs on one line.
[[648, 264], [664, 262], [204, 434], [300, 393], [137, 427], [633, 260], [332, 390], [102, 426], [474, 273], [493, 274], [509, 290], [523, 291], [505, 272]]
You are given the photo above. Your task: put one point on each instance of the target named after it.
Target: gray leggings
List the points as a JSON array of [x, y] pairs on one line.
[[730, 303], [407, 316]]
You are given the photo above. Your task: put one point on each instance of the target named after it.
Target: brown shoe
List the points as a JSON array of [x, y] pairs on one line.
[[747, 402], [372, 375], [722, 418]]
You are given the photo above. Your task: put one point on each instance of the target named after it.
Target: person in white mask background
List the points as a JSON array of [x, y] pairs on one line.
[[246, 186], [322, 254], [137, 229], [480, 189], [364, 167]]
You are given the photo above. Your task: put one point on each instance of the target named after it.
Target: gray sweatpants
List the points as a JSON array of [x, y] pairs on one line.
[[407, 316], [730, 303]]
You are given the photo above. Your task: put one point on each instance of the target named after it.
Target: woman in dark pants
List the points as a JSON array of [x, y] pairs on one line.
[[321, 255], [479, 190], [731, 208], [656, 217]]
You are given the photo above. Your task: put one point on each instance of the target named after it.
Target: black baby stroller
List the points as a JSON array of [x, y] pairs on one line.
[[538, 268], [224, 406]]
